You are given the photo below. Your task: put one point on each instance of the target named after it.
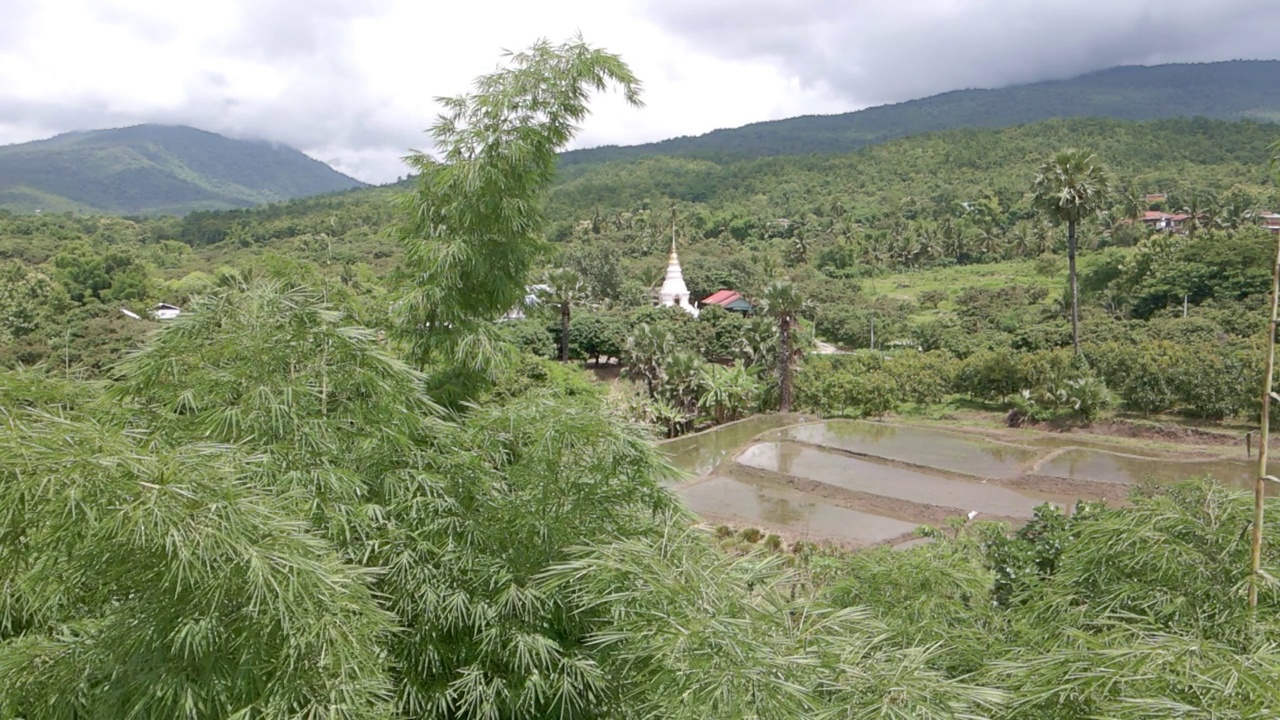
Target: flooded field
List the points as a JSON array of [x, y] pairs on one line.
[[842, 472], [1105, 466], [861, 483], [698, 454], [774, 506], [952, 452]]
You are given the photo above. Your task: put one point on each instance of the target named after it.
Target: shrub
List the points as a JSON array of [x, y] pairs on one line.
[[934, 298]]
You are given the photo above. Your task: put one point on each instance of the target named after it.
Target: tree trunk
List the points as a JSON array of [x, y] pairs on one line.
[[784, 364], [1075, 294], [564, 332]]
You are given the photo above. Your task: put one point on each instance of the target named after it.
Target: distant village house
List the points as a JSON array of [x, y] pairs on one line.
[[165, 311], [1270, 221], [730, 300], [1163, 221], [530, 300]]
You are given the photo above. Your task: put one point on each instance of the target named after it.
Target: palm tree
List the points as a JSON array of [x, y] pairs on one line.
[[1070, 188], [563, 289], [783, 302], [681, 381], [644, 354]]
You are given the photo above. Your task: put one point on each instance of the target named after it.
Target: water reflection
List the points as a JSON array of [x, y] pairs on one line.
[[700, 454], [919, 446], [1103, 466], [753, 502], [863, 476]]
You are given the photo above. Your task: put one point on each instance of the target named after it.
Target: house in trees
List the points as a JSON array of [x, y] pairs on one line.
[[530, 299], [1163, 221], [1269, 220], [730, 300], [165, 311]]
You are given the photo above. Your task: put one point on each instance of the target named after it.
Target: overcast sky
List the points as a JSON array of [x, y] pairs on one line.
[[351, 82]]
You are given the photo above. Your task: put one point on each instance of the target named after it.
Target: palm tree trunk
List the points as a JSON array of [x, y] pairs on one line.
[[1075, 293], [784, 364], [564, 332]]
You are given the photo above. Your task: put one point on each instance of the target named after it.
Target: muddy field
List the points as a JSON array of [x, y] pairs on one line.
[[861, 483]]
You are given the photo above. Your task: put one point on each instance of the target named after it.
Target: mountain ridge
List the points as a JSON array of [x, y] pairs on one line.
[[157, 169], [1226, 90]]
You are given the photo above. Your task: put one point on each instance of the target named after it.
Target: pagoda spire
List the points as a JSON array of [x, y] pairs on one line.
[[674, 292]]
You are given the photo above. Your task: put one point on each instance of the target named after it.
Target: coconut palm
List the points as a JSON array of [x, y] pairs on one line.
[[783, 302], [563, 289], [1070, 188]]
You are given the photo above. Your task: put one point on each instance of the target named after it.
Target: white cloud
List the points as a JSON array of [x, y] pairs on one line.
[[879, 51], [352, 82]]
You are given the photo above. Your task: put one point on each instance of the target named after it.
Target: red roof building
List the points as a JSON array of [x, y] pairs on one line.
[[729, 300], [1163, 220]]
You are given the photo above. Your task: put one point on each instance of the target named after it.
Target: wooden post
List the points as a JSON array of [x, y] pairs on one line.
[[1264, 436]]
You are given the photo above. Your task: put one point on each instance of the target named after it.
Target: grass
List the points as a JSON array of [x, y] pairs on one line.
[[911, 284]]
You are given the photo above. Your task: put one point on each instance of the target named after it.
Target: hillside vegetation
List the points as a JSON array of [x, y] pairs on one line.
[[1223, 90], [156, 169], [930, 240], [336, 488]]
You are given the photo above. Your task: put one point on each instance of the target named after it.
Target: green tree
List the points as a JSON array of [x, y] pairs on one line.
[[1070, 188], [644, 354], [727, 392], [27, 300], [562, 289], [783, 302]]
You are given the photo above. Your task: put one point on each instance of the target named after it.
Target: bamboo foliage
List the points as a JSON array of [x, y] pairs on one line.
[[472, 229], [1264, 438]]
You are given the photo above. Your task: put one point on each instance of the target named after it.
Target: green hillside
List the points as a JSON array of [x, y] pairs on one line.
[[1224, 90], [931, 172], [156, 169]]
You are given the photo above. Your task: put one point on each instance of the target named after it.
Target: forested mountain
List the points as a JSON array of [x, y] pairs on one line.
[[148, 169], [1241, 89]]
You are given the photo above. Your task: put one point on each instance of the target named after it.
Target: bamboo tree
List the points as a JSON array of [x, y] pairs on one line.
[[1264, 430], [1264, 437], [473, 228]]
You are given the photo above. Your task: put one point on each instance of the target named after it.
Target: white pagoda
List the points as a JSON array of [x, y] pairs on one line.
[[674, 292]]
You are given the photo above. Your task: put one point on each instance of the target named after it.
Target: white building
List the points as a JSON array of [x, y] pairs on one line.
[[673, 291], [165, 311], [530, 299]]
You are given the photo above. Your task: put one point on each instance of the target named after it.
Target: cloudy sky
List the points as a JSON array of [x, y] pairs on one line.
[[352, 82]]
